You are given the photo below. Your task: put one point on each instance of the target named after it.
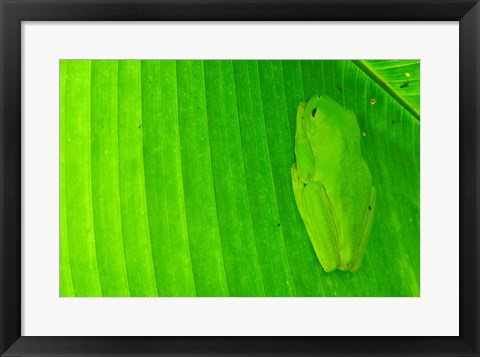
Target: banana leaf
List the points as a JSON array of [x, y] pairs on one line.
[[175, 177]]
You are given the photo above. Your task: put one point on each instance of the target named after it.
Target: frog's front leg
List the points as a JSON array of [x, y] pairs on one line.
[[321, 227], [303, 150], [298, 186], [365, 231]]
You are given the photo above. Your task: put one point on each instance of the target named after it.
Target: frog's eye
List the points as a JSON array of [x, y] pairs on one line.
[[314, 111]]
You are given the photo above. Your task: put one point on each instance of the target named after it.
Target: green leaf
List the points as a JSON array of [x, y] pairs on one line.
[[400, 78], [175, 177]]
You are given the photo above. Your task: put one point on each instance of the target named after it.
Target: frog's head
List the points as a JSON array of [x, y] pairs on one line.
[[329, 124]]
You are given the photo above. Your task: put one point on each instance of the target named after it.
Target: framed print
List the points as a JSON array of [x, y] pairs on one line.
[[239, 177]]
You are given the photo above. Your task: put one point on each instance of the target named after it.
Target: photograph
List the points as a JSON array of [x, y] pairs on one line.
[[239, 178]]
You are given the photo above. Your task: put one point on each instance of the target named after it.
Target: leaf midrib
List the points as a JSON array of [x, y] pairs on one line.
[[373, 74]]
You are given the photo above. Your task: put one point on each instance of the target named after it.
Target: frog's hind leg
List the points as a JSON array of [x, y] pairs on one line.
[[320, 224], [366, 228]]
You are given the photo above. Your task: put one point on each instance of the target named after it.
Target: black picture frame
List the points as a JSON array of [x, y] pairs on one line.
[[13, 12]]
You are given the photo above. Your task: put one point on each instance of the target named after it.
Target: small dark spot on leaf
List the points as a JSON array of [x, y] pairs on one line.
[[404, 85], [314, 111], [278, 225], [369, 207], [198, 107], [139, 126], [393, 121], [319, 96]]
